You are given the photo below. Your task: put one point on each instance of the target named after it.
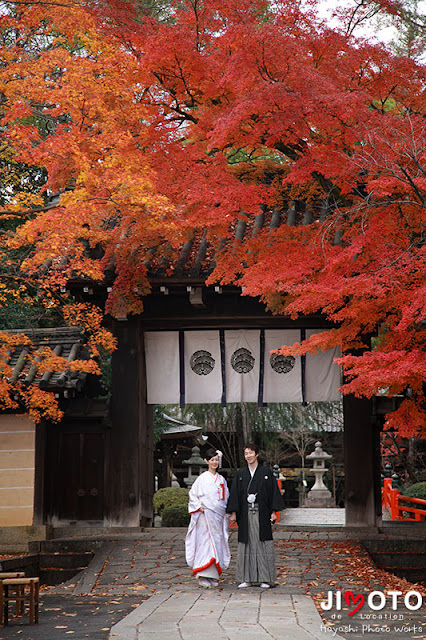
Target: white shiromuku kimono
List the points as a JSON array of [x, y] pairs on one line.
[[206, 542]]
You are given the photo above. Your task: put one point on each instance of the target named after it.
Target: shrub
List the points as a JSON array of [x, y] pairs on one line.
[[170, 497], [417, 490], [176, 516]]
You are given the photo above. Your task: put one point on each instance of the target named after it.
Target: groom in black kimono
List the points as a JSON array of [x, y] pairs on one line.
[[253, 501]]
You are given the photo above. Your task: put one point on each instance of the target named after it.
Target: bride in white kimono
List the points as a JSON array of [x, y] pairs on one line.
[[206, 542]]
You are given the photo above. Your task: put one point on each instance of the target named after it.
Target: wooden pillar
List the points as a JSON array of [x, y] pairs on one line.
[[130, 468], [146, 442], [39, 516], [362, 463]]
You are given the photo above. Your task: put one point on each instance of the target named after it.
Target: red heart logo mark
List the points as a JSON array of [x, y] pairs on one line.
[[350, 599]]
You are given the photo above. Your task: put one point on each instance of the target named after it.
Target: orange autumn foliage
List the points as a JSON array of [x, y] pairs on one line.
[[153, 130]]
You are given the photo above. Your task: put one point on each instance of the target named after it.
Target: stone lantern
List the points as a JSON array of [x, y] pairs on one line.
[[194, 462], [319, 496]]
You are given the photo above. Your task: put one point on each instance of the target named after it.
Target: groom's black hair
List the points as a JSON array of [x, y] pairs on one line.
[[252, 446]]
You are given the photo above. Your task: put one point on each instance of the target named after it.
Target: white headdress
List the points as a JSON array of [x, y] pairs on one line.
[[220, 454]]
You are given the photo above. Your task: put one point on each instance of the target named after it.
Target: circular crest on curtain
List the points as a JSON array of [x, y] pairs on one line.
[[242, 360], [281, 364], [202, 362]]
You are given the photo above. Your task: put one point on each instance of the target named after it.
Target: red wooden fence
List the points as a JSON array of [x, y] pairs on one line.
[[399, 506]]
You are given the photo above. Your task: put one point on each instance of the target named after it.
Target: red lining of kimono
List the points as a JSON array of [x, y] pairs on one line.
[[206, 566]]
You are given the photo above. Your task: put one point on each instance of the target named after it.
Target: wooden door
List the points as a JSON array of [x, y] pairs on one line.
[[75, 468]]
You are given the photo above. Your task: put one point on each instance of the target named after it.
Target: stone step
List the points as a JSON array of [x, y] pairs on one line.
[[404, 529], [316, 517], [61, 560], [67, 560], [401, 559], [27, 563], [73, 545], [411, 574], [85, 531], [396, 546], [404, 558], [54, 576]]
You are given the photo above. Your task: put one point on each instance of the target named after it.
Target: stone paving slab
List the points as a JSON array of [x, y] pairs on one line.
[[205, 615], [199, 615], [298, 517]]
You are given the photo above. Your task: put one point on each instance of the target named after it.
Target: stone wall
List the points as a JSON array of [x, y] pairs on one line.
[[17, 442]]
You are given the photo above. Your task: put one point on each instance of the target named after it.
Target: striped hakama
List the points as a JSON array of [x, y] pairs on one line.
[[256, 559]]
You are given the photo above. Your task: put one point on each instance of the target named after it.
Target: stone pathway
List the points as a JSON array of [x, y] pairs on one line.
[[146, 571], [310, 565], [316, 517], [248, 614]]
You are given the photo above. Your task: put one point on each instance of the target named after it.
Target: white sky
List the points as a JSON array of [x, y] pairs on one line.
[[370, 28]]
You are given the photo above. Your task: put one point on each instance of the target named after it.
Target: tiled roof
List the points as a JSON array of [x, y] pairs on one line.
[[196, 258], [177, 429], [67, 342]]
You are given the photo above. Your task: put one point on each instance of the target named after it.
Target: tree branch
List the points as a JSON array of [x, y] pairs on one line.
[[29, 212]]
